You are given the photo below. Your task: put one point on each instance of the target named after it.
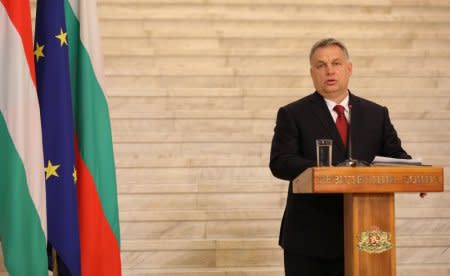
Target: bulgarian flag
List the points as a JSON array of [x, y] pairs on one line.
[[97, 191], [23, 221]]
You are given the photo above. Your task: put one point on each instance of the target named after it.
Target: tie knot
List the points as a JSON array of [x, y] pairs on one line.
[[340, 110]]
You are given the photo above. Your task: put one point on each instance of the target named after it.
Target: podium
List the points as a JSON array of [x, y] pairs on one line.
[[369, 208]]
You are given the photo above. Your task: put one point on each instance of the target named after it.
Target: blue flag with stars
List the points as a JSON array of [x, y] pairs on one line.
[[53, 85]]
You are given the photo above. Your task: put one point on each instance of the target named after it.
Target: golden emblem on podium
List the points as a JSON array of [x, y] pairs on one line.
[[374, 241]]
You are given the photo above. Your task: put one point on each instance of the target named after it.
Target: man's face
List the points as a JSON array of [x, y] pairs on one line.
[[330, 72]]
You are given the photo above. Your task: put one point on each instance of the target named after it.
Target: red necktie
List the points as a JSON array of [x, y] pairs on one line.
[[341, 123]]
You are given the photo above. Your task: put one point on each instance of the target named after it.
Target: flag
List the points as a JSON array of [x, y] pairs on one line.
[[55, 99], [97, 191], [23, 221]]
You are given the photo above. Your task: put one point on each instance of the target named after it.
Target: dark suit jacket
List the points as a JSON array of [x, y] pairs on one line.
[[313, 224]]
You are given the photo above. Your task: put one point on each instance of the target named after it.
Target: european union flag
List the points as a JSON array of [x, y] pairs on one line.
[[53, 85]]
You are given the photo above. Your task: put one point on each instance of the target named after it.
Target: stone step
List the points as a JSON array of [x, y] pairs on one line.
[[144, 63], [402, 270], [222, 271], [213, 149], [236, 244], [241, 253], [254, 228], [142, 161], [327, 3], [187, 180], [135, 28], [216, 104], [206, 201], [199, 215], [138, 135], [301, 54], [298, 92], [276, 13], [196, 71], [175, 42], [228, 79], [247, 201]]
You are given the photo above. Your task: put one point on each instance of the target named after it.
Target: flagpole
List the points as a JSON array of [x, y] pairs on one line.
[[55, 262]]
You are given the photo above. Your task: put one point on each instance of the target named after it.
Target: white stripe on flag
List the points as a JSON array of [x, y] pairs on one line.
[[20, 108]]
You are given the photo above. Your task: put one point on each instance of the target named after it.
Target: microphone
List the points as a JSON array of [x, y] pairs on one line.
[[350, 162], [349, 136]]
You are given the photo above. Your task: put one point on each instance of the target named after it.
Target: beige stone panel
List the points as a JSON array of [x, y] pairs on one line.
[[245, 11], [156, 230], [152, 245], [212, 150], [129, 202], [231, 271], [423, 226], [123, 28], [141, 81], [294, 29], [428, 148], [246, 214], [426, 255], [326, 3], [246, 257], [120, 43], [423, 269], [243, 187], [163, 215], [369, 92], [143, 92], [141, 64], [423, 241], [157, 175], [243, 229], [185, 43], [411, 212], [239, 174], [125, 188], [421, 3], [221, 201], [201, 215], [432, 200], [429, 126], [137, 104], [230, 244], [168, 259], [219, 114]]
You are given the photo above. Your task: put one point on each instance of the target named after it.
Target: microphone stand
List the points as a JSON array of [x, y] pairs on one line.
[[350, 162]]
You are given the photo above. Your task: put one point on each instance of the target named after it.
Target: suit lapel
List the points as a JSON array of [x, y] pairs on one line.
[[322, 112]]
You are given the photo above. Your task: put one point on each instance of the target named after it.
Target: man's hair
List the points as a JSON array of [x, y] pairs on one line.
[[327, 42]]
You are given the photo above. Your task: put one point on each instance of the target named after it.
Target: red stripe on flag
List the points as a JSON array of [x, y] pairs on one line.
[[19, 14], [100, 252]]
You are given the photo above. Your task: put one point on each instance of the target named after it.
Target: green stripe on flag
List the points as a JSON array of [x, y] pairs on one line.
[[92, 122], [20, 226]]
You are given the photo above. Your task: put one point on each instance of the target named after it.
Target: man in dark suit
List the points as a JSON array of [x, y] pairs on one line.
[[312, 227]]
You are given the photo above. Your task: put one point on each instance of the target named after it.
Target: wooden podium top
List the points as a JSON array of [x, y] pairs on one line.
[[370, 180]]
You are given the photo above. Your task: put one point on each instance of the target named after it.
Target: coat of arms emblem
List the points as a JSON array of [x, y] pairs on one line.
[[374, 241]]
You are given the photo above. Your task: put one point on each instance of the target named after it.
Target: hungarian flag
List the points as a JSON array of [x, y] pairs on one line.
[[23, 221], [94, 173]]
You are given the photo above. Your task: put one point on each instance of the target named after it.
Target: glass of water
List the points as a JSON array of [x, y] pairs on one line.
[[324, 149]]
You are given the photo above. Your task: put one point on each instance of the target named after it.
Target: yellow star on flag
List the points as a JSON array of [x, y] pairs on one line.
[[39, 51], [62, 37], [74, 174], [50, 170]]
